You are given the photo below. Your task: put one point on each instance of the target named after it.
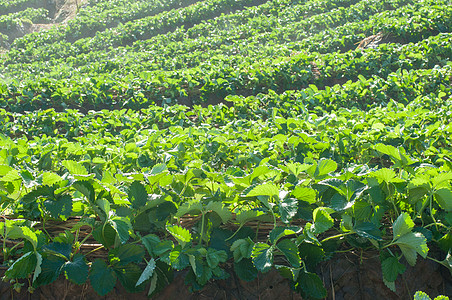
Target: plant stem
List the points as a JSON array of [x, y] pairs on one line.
[[84, 240], [202, 228], [240, 227], [336, 236], [94, 250], [432, 224]]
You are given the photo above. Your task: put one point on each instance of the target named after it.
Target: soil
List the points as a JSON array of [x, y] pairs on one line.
[[348, 276]]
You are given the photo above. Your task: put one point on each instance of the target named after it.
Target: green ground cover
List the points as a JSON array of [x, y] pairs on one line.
[[165, 131]]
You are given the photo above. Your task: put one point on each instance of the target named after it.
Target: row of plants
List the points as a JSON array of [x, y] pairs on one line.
[[97, 17], [229, 77], [31, 15], [401, 86], [202, 40], [333, 182], [149, 26], [251, 20], [313, 152], [193, 51], [12, 6]]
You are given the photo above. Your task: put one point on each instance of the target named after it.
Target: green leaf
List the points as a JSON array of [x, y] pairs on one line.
[[376, 194], [205, 276], [392, 268], [11, 176], [250, 215], [324, 167], [128, 275], [60, 206], [182, 235], [262, 257], [279, 232], [417, 192], [122, 226], [322, 220], [245, 270], [444, 198], [158, 168], [196, 264], [361, 210], [219, 208], [77, 269], [290, 251], [215, 257], [312, 285], [163, 248], [74, 167], [287, 272], [288, 209], [384, 175], [125, 254], [153, 285], [28, 179], [4, 169], [266, 189], [86, 188], [38, 266], [242, 248], [104, 206], [396, 154], [106, 235], [50, 270], [441, 180], [193, 208], [402, 226], [62, 250], [22, 267], [150, 241], [390, 285], [49, 178], [102, 277], [304, 194], [178, 259], [17, 232], [368, 230], [164, 210], [445, 243], [137, 195], [441, 297], [311, 254], [147, 273], [421, 296], [411, 243]]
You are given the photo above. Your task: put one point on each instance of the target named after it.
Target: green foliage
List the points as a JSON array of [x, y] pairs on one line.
[[332, 147]]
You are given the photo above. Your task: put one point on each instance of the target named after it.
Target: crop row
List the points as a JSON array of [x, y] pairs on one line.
[[226, 29], [122, 171], [153, 55], [94, 18], [33, 15], [11, 6], [231, 77], [424, 86], [158, 24]]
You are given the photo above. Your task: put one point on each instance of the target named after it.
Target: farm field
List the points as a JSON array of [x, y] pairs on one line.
[[224, 140]]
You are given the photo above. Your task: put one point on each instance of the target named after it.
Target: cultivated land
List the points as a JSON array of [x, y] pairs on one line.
[[224, 139]]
